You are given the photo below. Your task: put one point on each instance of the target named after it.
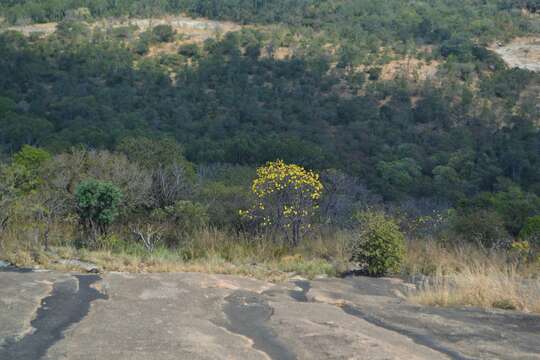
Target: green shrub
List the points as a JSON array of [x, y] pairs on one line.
[[163, 33], [189, 50], [141, 47], [123, 32], [188, 216], [72, 30], [379, 245], [110, 242], [24, 172], [531, 231], [97, 207], [483, 227], [374, 73]]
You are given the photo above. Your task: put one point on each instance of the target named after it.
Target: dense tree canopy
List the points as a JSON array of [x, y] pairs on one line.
[[471, 129]]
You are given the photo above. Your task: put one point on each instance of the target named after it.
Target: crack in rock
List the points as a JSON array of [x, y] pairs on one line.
[[417, 338], [68, 304], [247, 314], [352, 310], [301, 295]]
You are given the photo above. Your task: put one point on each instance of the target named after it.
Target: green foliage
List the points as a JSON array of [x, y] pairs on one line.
[[152, 153], [187, 216], [399, 175], [374, 73], [515, 206], [394, 19], [379, 244], [507, 84], [110, 242], [223, 201], [531, 231], [238, 100], [228, 106], [141, 47], [163, 33], [189, 51], [72, 30], [483, 227], [24, 172], [97, 206], [507, 209], [6, 105], [30, 158]]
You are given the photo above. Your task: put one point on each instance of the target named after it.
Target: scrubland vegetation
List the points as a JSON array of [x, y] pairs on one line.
[[143, 160], [149, 210]]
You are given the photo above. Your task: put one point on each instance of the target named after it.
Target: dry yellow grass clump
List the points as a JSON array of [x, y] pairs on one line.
[[475, 277]]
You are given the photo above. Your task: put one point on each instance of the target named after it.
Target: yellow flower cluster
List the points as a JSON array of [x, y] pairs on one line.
[[285, 193], [277, 176]]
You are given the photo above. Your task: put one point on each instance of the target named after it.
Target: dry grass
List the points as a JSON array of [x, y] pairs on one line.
[[431, 257], [482, 285], [469, 276], [208, 251]]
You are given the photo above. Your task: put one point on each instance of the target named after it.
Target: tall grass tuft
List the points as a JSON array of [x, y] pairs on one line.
[[470, 276]]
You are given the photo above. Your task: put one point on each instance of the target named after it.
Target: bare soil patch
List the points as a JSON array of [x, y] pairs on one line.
[[411, 68], [523, 52], [197, 30]]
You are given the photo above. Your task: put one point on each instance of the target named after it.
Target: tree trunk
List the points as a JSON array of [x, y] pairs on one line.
[[296, 234]]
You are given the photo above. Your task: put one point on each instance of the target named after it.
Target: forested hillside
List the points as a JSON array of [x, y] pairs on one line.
[[399, 104]]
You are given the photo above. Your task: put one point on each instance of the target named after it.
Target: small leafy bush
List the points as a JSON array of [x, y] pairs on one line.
[[379, 245], [531, 230], [141, 47], [163, 33], [189, 51]]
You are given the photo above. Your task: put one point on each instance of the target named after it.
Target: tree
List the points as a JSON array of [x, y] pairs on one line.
[[343, 194], [515, 206], [483, 227], [7, 196], [68, 169], [24, 170], [187, 216], [48, 206], [399, 176], [134, 181], [150, 230], [171, 174], [97, 206], [154, 153], [169, 184], [286, 197]]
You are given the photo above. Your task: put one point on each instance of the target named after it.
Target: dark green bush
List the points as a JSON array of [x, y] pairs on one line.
[[187, 216], [379, 245], [531, 231], [163, 33], [97, 207], [189, 50], [374, 73], [484, 227], [141, 47]]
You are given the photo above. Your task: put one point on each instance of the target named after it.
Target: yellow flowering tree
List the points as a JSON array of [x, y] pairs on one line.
[[286, 197]]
